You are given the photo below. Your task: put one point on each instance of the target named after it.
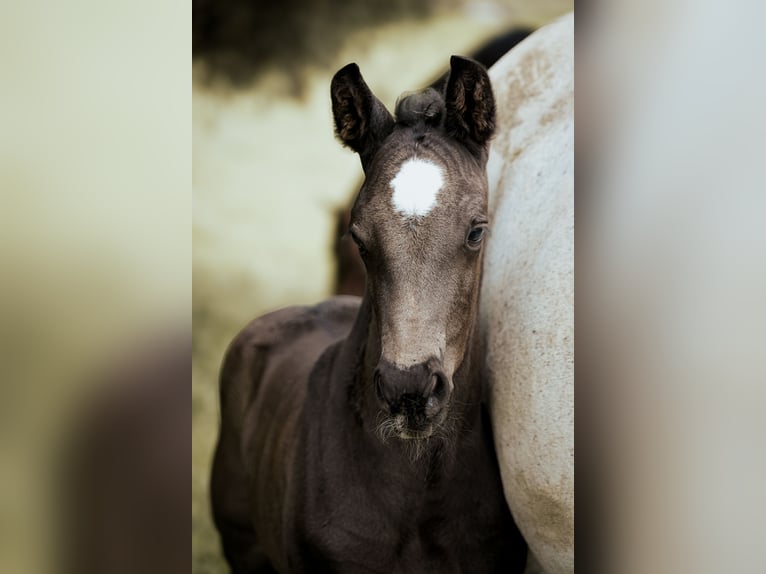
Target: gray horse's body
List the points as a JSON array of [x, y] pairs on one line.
[[528, 290]]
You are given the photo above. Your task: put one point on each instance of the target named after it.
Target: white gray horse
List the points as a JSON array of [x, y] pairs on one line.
[[528, 290]]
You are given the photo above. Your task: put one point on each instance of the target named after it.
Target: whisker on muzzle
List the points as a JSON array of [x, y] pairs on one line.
[[387, 428]]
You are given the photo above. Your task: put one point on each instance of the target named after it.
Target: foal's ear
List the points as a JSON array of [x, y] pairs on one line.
[[362, 122], [470, 104]]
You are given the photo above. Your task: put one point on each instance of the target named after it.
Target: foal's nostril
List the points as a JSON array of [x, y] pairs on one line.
[[436, 392], [439, 386], [420, 390]]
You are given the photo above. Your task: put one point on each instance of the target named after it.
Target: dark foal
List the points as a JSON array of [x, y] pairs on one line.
[[353, 433]]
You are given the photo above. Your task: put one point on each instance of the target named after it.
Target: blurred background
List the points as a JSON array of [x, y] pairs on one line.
[[268, 174], [101, 167], [95, 259]]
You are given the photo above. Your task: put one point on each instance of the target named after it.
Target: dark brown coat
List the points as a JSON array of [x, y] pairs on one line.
[[353, 433]]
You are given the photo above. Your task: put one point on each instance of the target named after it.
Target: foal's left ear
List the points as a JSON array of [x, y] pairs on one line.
[[470, 104], [362, 122]]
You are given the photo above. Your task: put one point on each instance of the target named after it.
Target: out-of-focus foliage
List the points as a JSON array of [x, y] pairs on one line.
[[241, 38]]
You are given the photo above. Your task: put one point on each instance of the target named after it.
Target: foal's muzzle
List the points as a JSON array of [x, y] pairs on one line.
[[415, 397]]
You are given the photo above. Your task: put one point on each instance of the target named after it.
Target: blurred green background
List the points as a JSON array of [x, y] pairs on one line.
[[95, 214], [267, 173]]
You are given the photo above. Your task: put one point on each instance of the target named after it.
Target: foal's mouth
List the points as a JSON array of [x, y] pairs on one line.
[[398, 427], [416, 435]]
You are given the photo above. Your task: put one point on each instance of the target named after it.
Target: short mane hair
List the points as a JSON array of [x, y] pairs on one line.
[[420, 109]]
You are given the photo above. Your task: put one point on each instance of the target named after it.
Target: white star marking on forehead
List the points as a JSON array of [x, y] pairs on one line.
[[415, 187]]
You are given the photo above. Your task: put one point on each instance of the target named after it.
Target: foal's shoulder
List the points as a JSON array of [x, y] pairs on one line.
[[335, 313], [290, 338], [331, 317]]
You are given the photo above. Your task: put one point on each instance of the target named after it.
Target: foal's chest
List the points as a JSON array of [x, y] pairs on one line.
[[356, 537], [367, 548]]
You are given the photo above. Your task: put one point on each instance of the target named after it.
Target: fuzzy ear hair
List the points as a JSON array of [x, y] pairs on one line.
[[362, 122], [470, 104]]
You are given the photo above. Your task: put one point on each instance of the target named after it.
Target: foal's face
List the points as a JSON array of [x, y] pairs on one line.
[[420, 222]]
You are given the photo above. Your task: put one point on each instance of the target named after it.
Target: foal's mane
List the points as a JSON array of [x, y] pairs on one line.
[[420, 110]]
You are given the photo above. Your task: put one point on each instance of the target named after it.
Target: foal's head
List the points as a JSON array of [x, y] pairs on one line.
[[420, 222]]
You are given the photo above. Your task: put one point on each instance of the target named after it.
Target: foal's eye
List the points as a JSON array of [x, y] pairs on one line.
[[475, 236], [359, 243]]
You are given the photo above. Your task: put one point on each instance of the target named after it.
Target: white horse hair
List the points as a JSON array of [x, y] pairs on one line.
[[528, 290]]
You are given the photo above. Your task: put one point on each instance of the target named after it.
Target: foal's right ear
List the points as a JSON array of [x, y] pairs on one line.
[[470, 104], [362, 122]]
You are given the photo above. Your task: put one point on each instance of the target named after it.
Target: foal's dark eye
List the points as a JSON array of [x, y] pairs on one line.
[[359, 243], [473, 241]]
